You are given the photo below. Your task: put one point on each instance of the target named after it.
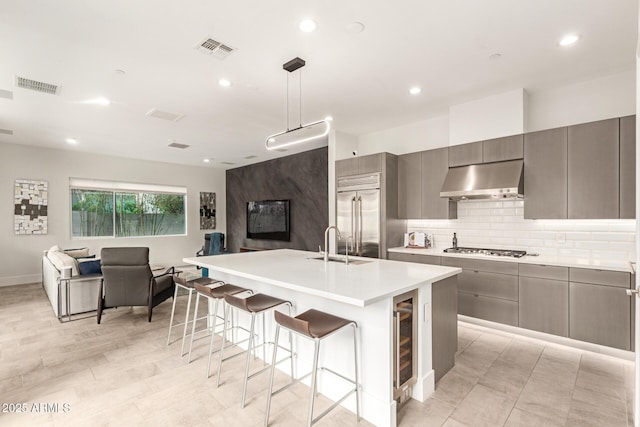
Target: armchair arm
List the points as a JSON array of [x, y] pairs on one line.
[[170, 270], [200, 252]]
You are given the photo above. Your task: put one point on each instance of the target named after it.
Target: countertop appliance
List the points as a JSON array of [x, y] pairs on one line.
[[497, 180], [358, 214], [481, 251]]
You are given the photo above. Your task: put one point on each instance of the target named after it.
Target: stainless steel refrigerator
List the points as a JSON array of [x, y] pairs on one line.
[[358, 214]]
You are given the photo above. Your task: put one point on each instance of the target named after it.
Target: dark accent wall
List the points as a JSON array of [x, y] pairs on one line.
[[301, 178]]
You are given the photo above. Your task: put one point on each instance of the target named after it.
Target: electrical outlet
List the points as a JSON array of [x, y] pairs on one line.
[[561, 237]]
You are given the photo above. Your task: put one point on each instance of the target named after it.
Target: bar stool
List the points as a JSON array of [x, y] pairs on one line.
[[214, 294], [254, 305], [189, 287], [315, 325]]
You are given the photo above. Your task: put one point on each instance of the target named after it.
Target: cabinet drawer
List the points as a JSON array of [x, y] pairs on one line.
[[481, 265], [600, 277], [600, 315], [489, 284], [544, 305], [544, 271], [422, 259], [493, 309]]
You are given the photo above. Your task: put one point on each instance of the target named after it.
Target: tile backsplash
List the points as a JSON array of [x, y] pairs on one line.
[[502, 225]]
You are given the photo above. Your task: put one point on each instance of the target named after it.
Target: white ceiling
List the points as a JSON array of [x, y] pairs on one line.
[[362, 80]]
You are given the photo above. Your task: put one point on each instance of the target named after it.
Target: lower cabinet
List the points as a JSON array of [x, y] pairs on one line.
[[544, 305], [444, 325], [600, 314], [488, 308]]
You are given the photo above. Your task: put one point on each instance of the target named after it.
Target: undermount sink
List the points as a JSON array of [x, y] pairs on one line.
[[341, 260]]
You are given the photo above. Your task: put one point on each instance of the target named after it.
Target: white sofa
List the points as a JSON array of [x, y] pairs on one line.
[[83, 295]]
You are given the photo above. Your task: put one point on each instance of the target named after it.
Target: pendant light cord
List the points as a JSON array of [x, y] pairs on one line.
[[287, 102], [300, 100]]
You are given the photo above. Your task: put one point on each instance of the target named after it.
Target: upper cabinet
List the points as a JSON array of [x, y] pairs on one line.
[[434, 171], [465, 154], [628, 167], [545, 174], [499, 149], [420, 178], [359, 165], [594, 170]]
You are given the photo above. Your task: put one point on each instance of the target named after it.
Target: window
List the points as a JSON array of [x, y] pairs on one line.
[[126, 210]]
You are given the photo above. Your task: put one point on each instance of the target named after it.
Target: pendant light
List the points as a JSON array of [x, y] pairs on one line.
[[302, 133]]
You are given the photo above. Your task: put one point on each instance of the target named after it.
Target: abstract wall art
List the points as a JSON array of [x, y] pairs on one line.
[[30, 201], [207, 211]]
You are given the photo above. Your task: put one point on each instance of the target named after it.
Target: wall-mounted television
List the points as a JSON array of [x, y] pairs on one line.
[[268, 219]]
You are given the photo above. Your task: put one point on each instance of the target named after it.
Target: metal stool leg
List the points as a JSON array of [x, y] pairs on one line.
[[227, 311], [213, 329], [357, 376], [186, 322], [273, 370], [314, 375], [173, 310], [193, 327], [246, 368]]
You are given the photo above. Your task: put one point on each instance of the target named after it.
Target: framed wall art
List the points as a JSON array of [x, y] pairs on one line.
[[30, 201], [207, 211]]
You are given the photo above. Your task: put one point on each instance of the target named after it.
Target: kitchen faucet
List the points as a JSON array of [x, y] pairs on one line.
[[326, 240]]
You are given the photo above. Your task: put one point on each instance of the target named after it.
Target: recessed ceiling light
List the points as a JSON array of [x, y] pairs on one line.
[[355, 27], [224, 82], [308, 26], [207, 160], [328, 119], [120, 72], [415, 90], [71, 141], [495, 57], [98, 101], [568, 40]]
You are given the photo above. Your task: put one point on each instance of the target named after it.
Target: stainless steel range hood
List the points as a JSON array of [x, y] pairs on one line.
[[484, 181]]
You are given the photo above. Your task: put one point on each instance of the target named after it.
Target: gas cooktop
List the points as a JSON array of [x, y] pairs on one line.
[[480, 251]]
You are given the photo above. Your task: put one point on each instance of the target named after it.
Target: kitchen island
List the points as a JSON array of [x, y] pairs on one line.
[[362, 291]]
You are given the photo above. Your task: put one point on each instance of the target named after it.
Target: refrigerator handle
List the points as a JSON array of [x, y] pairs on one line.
[[353, 222], [359, 221]]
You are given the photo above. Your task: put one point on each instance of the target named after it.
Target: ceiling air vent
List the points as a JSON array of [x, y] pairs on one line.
[[7, 94], [250, 157], [215, 48], [227, 163], [178, 145], [37, 86], [6, 131], [158, 114]]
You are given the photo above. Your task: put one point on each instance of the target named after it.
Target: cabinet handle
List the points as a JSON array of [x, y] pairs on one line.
[[476, 295], [475, 271], [542, 265]]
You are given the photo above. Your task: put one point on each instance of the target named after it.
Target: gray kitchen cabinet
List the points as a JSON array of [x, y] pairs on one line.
[[545, 174], [594, 170], [417, 258], [347, 167], [503, 267], [544, 305], [500, 149], [434, 170], [628, 167], [600, 314], [359, 165], [410, 192], [492, 309], [494, 285], [444, 325], [465, 154]]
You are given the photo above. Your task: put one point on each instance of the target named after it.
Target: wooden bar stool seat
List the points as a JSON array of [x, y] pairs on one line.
[[253, 305], [189, 286], [315, 325]]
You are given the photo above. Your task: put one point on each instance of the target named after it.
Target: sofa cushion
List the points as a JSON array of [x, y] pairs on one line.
[[61, 260], [89, 266], [77, 253]]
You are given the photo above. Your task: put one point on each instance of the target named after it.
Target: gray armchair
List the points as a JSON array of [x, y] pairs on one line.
[[128, 281]]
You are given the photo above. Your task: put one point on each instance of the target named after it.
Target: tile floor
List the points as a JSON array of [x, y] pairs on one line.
[[122, 373]]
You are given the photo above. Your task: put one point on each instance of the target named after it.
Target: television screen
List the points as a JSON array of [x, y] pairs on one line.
[[268, 219]]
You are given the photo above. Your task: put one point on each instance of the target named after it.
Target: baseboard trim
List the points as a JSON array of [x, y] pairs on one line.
[[20, 280], [548, 338]]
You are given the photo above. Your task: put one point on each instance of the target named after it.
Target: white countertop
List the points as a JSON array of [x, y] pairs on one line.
[[356, 284], [603, 264]]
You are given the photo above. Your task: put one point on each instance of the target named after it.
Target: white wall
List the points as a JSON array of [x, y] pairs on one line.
[[418, 136], [491, 117], [21, 255], [603, 98], [502, 225]]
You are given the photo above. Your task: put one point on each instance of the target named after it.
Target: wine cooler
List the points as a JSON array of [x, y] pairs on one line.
[[405, 316]]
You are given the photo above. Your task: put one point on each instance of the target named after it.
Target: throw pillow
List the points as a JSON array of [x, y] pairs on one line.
[[76, 253], [90, 266]]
